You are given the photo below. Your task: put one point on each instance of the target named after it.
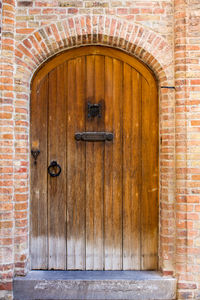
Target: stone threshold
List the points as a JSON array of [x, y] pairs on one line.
[[90, 285]]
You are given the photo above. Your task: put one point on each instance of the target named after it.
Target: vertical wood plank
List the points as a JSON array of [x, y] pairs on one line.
[[98, 167], [136, 164], [57, 185], [131, 170], [113, 166], [149, 199], [76, 166], [90, 71], [71, 158], [94, 167], [117, 165], [127, 203], [38, 241], [108, 166]]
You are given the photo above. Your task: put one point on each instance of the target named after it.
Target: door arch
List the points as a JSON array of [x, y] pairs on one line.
[[101, 212]]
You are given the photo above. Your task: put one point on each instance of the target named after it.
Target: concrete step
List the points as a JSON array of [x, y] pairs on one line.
[[90, 285]]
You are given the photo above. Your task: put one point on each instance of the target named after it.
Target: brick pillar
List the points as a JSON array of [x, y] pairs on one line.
[[187, 158], [167, 179], [7, 150]]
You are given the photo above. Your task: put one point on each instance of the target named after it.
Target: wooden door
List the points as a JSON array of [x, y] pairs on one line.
[[101, 212]]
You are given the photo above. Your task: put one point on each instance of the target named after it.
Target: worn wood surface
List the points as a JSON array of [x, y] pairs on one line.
[[94, 167], [39, 229], [75, 166], [102, 211], [131, 169], [149, 197], [57, 185]]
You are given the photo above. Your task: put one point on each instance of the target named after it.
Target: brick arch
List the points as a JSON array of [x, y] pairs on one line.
[[133, 38]]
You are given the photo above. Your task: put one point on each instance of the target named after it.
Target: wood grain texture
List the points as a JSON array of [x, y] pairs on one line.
[[57, 185], [113, 166], [108, 166], [98, 166], [102, 211], [94, 167], [71, 165], [90, 222], [38, 217], [132, 168], [75, 166], [136, 164], [128, 180], [117, 216], [149, 198]]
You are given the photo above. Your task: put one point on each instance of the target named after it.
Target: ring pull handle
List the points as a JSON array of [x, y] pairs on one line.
[[54, 169]]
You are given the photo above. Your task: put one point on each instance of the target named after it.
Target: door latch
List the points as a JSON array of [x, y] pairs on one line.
[[94, 136], [94, 110]]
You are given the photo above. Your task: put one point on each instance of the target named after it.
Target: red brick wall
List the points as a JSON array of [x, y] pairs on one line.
[[187, 54], [164, 35], [7, 150], [157, 15], [0, 19]]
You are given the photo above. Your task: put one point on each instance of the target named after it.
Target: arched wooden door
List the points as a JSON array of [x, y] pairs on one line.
[[101, 212]]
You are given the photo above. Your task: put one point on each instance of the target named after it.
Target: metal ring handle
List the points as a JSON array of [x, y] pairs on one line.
[[54, 165]]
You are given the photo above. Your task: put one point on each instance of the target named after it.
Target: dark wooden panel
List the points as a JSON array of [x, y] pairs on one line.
[[135, 135], [76, 166], [113, 166], [98, 155], [57, 185], [131, 169], [117, 230], [108, 167], [94, 167], [39, 232], [149, 199], [90, 222]]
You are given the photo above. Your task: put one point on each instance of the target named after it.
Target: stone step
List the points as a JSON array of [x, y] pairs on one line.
[[90, 285]]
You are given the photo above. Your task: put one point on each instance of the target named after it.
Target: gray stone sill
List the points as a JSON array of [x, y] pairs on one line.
[[90, 285]]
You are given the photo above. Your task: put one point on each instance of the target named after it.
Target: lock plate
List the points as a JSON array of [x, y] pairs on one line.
[[94, 110]]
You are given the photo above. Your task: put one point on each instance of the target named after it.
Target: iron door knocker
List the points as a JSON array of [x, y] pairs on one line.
[[54, 165]]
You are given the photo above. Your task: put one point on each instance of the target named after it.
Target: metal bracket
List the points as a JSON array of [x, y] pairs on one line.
[[94, 136], [168, 87], [35, 154]]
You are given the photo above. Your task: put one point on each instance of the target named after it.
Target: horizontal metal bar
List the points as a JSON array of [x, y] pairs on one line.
[[93, 136], [168, 87]]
